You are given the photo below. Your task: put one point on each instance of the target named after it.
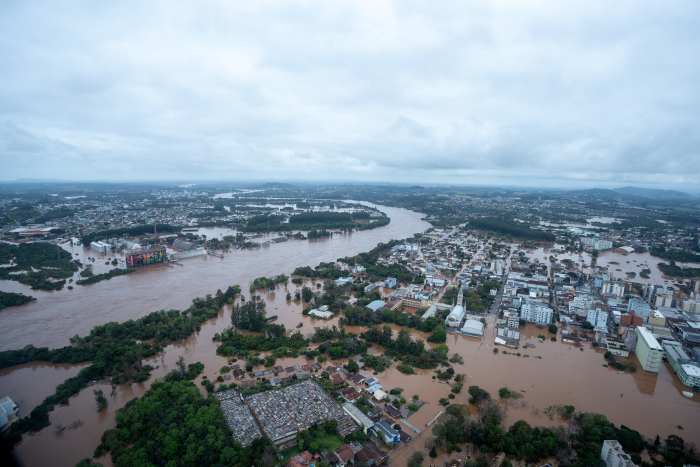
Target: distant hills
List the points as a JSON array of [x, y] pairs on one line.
[[651, 192], [630, 192], [276, 186]]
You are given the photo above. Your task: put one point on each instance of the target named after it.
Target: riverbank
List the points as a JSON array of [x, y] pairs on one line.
[[55, 316]]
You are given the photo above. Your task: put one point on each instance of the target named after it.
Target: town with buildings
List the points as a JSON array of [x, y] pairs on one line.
[[545, 274]]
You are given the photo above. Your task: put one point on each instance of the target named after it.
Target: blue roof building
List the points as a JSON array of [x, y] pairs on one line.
[[384, 431]]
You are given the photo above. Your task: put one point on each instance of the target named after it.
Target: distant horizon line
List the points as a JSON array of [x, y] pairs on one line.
[[348, 181]]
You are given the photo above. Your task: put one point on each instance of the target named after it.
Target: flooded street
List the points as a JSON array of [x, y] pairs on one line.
[[647, 402]]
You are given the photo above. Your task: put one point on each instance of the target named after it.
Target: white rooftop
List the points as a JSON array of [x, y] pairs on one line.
[[649, 338], [691, 370]]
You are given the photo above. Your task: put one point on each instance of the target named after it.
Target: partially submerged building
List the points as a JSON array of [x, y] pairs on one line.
[[649, 351], [473, 328], [686, 368], [360, 418]]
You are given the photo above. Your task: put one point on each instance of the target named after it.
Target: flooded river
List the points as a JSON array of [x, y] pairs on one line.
[[56, 316], [650, 403]]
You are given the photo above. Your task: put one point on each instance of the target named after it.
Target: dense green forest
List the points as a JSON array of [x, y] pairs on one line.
[[119, 358], [14, 299], [250, 316], [674, 270], [362, 316], [410, 352], [21, 213], [172, 424], [49, 261], [323, 233], [131, 231], [510, 228], [681, 256]]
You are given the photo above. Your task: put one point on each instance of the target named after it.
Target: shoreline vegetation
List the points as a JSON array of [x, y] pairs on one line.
[[318, 221], [673, 270], [8, 299], [95, 278], [673, 256], [42, 266], [114, 353]]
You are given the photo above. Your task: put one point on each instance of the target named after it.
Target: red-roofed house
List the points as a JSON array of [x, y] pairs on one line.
[[371, 455], [336, 379], [345, 454]]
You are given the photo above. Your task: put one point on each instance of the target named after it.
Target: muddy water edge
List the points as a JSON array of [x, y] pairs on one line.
[[647, 402], [56, 316], [563, 375]]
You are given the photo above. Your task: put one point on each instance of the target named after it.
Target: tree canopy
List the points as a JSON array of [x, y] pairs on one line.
[[173, 425]]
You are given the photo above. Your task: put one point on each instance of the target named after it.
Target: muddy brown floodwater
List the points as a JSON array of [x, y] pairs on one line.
[[56, 316], [650, 403]]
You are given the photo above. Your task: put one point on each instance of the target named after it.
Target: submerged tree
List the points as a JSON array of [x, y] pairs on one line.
[[100, 399]]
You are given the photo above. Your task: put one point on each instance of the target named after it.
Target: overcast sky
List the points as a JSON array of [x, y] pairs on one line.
[[516, 93]]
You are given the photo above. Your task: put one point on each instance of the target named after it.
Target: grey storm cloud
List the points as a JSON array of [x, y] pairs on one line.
[[540, 92]]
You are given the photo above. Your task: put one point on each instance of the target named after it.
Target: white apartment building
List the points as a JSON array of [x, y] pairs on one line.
[[664, 300], [537, 313], [513, 321], [613, 289], [690, 305], [581, 304], [598, 318], [614, 456], [649, 351], [506, 331], [596, 243]]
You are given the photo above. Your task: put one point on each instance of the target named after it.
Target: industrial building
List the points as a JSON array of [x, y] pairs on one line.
[[182, 245], [649, 351], [102, 247], [145, 257], [29, 231], [360, 418]]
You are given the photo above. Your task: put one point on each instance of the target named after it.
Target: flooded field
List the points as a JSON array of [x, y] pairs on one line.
[[618, 264]]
